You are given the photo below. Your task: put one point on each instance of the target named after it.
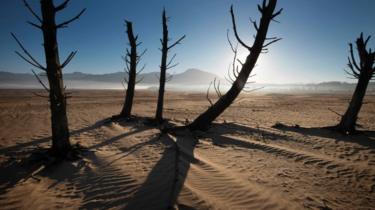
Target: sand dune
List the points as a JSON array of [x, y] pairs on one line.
[[242, 162]]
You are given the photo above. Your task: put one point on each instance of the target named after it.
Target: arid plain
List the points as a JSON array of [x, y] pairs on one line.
[[266, 151]]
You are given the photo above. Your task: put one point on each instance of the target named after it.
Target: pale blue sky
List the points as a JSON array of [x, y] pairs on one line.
[[314, 47]]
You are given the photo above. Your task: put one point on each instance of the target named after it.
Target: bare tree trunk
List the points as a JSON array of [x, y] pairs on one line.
[[363, 72], [127, 108], [267, 11], [163, 68], [349, 119], [60, 130], [57, 96]]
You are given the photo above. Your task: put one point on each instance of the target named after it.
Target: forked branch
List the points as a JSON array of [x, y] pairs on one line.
[[31, 59]]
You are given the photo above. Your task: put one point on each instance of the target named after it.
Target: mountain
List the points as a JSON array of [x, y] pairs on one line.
[[191, 79], [193, 76], [78, 79]]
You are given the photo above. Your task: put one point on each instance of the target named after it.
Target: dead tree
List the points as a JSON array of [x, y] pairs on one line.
[[164, 66], [363, 72], [267, 9], [56, 90], [131, 59]]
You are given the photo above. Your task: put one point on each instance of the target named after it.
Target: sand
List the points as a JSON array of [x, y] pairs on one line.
[[242, 162]]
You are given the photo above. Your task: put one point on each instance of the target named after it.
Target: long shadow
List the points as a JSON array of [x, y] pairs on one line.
[[234, 128], [103, 187], [166, 179], [10, 151], [364, 138], [17, 170], [116, 138], [128, 151]]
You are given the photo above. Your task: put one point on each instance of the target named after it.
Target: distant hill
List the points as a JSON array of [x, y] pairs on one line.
[[27, 80], [191, 79], [193, 76]]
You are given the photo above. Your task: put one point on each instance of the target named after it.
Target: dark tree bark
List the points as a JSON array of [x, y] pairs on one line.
[[131, 60], [364, 72], [127, 108], [203, 121], [163, 67], [57, 95]]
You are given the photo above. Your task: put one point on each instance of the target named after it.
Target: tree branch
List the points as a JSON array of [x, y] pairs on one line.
[[65, 24], [123, 84], [235, 30], [271, 42], [169, 78], [177, 42], [170, 61], [140, 80], [40, 81], [39, 95], [354, 72], [334, 112], [174, 65], [208, 93], [143, 67], [217, 88], [32, 61], [62, 6], [32, 11], [68, 59], [352, 57], [254, 24], [277, 13], [144, 51], [34, 24]]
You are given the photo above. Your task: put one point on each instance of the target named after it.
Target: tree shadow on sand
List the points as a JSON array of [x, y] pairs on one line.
[[27, 160], [24, 148], [24, 159], [221, 129], [100, 184], [166, 179], [115, 187], [363, 138]]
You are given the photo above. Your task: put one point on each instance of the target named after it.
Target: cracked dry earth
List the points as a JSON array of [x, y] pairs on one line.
[[242, 162]]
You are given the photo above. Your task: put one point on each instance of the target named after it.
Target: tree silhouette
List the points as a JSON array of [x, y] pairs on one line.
[[56, 89], [132, 60], [203, 121], [363, 71], [164, 66]]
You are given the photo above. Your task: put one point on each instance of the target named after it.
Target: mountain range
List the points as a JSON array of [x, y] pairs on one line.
[[191, 79]]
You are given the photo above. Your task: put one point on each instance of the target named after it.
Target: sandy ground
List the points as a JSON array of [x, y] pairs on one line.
[[242, 162]]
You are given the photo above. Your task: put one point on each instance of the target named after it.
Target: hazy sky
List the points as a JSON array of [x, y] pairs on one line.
[[314, 47]]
